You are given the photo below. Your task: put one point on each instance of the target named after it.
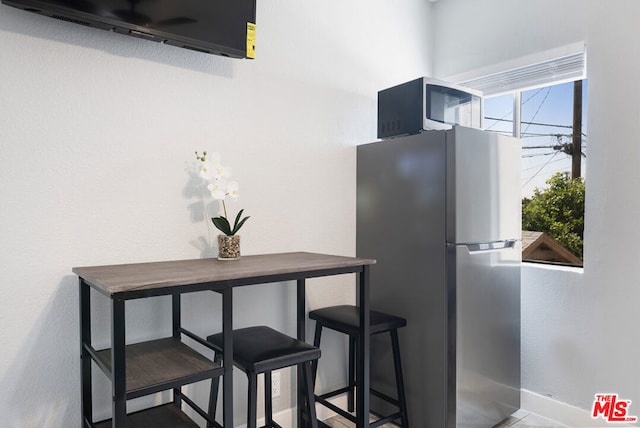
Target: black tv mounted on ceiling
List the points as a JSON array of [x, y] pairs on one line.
[[220, 27]]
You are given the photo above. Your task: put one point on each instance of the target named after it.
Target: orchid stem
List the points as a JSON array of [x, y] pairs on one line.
[[209, 223], [224, 207]]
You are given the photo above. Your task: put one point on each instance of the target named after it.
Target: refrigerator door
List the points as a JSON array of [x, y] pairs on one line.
[[483, 186], [484, 333]]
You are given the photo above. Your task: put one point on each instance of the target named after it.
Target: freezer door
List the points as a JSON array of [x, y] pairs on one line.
[[484, 333], [483, 186]]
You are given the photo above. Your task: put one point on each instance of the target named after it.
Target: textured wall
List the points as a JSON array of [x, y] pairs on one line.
[[96, 131]]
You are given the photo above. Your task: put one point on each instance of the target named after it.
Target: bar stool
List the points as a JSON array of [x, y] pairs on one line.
[[260, 350], [346, 320]]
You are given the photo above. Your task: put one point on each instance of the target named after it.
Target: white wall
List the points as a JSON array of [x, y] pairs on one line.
[[96, 131], [579, 329]]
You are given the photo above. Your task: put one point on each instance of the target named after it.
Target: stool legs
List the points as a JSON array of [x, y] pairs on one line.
[[351, 379], [252, 394], [352, 374], [213, 393], [397, 365], [252, 402], [308, 383], [316, 343], [268, 404]]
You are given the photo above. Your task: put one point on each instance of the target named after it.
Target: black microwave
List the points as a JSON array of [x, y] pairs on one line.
[[425, 103]]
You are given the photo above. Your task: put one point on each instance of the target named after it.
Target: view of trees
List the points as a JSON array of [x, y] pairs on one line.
[[558, 210]]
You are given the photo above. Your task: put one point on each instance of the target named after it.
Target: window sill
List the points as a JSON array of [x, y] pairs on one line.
[[553, 267]]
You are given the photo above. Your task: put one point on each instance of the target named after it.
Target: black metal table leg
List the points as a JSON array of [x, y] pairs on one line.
[[364, 340], [176, 317], [85, 358], [301, 327], [118, 364], [227, 358]]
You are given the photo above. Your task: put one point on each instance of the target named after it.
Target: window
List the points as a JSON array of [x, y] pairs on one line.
[[545, 105], [553, 170]]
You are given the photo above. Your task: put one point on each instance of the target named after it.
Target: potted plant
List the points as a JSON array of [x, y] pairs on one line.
[[217, 176]]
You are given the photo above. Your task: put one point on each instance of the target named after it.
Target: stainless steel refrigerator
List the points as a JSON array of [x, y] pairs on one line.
[[441, 213]]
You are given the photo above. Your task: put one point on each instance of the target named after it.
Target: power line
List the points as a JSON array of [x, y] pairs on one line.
[[530, 123], [510, 112], [550, 125], [539, 107], [541, 168], [532, 95], [537, 155], [547, 165], [564, 159], [555, 147]]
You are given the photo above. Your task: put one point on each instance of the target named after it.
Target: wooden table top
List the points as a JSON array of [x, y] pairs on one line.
[[142, 276]]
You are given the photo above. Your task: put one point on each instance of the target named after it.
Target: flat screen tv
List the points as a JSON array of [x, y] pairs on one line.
[[221, 27]]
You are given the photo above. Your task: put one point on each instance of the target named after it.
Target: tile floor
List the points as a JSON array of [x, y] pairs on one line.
[[340, 422], [523, 419], [520, 419]]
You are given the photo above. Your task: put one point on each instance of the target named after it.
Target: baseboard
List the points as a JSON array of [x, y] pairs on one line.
[[566, 414]]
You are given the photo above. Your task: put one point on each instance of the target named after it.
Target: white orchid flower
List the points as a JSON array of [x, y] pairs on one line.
[[221, 172], [209, 165], [207, 170], [218, 189], [233, 189]]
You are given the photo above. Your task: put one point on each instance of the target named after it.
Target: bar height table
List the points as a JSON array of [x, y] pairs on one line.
[[140, 280]]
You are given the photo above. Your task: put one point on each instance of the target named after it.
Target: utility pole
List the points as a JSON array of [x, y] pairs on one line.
[[576, 146]]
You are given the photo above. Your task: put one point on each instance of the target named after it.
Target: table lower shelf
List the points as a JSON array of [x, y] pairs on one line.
[[159, 365], [165, 416]]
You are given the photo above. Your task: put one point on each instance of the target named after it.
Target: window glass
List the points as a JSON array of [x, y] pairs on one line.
[[546, 129], [553, 171], [498, 112]]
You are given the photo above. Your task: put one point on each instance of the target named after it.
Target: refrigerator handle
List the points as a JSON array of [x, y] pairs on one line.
[[489, 246]]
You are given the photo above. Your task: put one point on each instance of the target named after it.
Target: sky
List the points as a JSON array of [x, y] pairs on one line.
[[550, 109]]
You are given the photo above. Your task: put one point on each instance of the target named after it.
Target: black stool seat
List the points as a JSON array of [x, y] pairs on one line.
[[262, 349], [346, 319], [259, 349]]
